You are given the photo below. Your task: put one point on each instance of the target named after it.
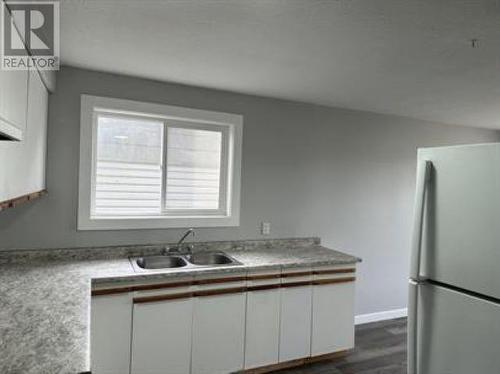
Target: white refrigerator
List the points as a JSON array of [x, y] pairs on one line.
[[454, 288]]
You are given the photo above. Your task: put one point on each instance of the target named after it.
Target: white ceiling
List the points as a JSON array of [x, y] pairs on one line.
[[406, 57]]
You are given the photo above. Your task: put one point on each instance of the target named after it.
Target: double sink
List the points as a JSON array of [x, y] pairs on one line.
[[190, 260]]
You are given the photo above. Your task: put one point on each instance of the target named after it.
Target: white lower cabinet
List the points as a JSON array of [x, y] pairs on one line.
[[161, 338], [221, 325], [111, 321], [262, 328], [295, 331], [218, 333], [333, 318]]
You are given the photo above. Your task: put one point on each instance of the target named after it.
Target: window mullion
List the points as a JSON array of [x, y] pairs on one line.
[[93, 175], [223, 175], [164, 170]]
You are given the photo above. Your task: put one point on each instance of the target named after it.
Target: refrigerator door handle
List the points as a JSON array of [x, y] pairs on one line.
[[423, 176], [412, 341]]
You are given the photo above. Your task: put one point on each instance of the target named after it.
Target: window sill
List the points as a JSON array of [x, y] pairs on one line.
[[160, 222]]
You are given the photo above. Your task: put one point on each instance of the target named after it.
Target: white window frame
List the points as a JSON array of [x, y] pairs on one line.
[[231, 126]]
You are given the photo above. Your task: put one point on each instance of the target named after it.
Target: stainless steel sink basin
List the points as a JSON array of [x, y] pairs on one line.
[[184, 261], [160, 262], [210, 258]]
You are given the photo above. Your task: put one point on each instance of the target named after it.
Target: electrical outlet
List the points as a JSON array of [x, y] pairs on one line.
[[265, 228]]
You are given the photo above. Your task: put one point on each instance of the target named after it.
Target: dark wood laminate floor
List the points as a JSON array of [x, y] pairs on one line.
[[380, 349]]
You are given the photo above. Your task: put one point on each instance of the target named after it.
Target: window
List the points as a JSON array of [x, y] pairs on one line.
[[156, 166]]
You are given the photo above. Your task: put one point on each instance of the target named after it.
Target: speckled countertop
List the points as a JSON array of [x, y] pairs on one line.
[[45, 295]]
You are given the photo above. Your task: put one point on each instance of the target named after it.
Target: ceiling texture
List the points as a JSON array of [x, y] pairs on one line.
[[406, 57]]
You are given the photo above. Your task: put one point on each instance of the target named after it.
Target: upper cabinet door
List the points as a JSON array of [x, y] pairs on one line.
[[35, 135], [13, 101], [23, 163], [218, 333]]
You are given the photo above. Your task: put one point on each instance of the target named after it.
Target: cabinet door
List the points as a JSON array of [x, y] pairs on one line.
[[111, 323], [295, 331], [218, 333], [13, 99], [161, 339], [23, 163], [262, 328], [333, 318], [36, 133]]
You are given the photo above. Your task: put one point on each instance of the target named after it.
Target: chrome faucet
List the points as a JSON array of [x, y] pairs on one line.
[[180, 246]]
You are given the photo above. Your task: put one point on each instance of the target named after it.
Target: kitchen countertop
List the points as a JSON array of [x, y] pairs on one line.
[[45, 295]]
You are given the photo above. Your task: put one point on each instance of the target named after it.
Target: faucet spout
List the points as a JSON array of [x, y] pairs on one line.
[[179, 246], [186, 234]]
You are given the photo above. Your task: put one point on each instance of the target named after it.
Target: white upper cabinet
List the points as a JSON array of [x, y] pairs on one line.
[[23, 163], [13, 101], [23, 118]]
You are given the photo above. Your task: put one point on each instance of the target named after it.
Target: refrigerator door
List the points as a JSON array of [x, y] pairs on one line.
[[457, 333], [461, 230]]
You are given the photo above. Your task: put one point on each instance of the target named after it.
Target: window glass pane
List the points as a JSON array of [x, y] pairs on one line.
[[129, 166], [193, 168]]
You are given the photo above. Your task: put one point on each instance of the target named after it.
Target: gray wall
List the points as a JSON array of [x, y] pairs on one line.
[[346, 176]]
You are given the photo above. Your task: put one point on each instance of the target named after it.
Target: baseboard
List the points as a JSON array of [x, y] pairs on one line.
[[380, 316]]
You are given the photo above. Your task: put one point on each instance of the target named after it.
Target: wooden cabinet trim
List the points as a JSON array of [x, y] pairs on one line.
[[295, 363], [219, 280], [157, 286], [186, 295], [12, 203], [297, 274], [275, 367], [264, 287], [296, 284], [157, 298], [110, 291], [334, 271], [328, 356], [320, 282], [263, 277], [144, 287], [222, 291]]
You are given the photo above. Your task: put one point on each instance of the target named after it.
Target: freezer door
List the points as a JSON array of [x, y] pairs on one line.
[[461, 231], [457, 333]]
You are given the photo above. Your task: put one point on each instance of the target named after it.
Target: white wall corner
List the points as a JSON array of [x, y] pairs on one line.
[[380, 316]]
